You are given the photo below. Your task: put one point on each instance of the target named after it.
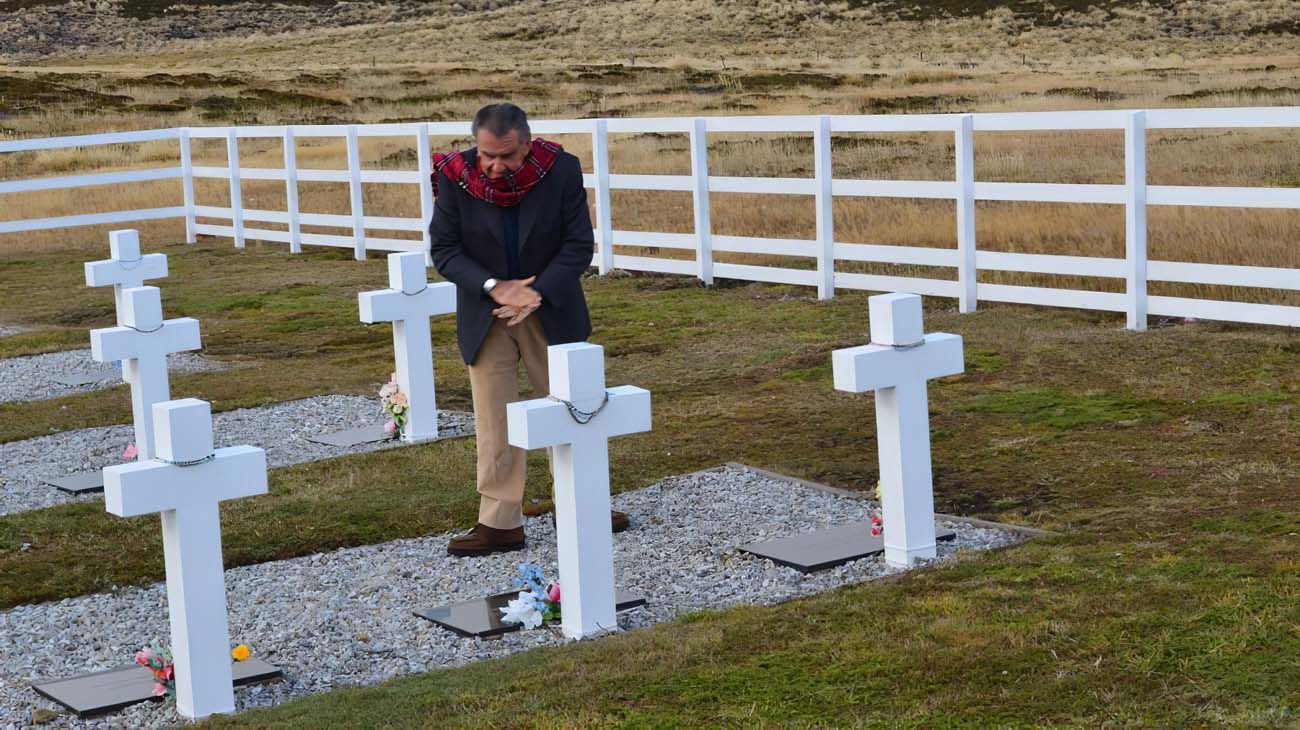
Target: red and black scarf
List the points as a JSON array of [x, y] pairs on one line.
[[507, 190]]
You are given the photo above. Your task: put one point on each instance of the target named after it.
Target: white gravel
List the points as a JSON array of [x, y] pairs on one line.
[[32, 377], [282, 429], [344, 618], [12, 329]]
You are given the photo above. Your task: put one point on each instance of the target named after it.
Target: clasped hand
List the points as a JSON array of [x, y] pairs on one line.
[[517, 299]]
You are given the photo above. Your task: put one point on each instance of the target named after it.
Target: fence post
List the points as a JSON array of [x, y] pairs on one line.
[[825, 209], [966, 270], [604, 219], [425, 159], [1135, 219], [700, 199], [236, 193], [354, 188], [187, 185], [291, 189]]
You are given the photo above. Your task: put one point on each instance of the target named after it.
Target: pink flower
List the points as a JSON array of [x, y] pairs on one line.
[[159, 690], [142, 658], [131, 451], [875, 531], [875, 519], [554, 593], [169, 671], [399, 399], [390, 428]]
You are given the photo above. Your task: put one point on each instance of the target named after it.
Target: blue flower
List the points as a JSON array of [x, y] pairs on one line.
[[530, 577]]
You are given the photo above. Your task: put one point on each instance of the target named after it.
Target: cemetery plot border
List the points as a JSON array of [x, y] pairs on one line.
[[343, 618], [1023, 530], [809, 552], [69, 372], [831, 547], [32, 464], [353, 436], [480, 618], [101, 693]]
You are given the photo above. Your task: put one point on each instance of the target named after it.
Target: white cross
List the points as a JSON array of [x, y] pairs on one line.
[[143, 341], [188, 498], [125, 268], [408, 303], [897, 365], [584, 539]]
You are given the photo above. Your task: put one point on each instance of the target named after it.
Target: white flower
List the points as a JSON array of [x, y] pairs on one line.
[[523, 610]]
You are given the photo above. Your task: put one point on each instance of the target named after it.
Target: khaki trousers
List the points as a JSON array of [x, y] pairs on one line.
[[494, 380]]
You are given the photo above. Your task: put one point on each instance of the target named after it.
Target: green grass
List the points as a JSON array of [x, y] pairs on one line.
[[1065, 410], [1166, 459], [1060, 631]]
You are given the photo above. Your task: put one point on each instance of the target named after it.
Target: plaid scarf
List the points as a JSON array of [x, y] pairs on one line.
[[507, 190]]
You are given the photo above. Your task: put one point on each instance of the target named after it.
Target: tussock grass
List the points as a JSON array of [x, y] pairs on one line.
[[270, 95]]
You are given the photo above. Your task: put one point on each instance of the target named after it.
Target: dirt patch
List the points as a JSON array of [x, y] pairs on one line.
[[915, 103], [1085, 92], [1255, 91], [34, 93]]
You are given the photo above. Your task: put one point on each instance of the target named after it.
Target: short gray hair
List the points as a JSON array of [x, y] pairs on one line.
[[501, 119]]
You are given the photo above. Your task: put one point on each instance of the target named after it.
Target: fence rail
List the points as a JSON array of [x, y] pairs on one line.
[[823, 250]]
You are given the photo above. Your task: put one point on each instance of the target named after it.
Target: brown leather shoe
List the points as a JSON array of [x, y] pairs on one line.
[[484, 540], [618, 520]]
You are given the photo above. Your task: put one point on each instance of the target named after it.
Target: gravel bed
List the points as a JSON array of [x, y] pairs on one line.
[[32, 378], [25, 463], [344, 618]]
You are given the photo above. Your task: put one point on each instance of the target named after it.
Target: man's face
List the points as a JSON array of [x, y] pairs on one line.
[[499, 155]]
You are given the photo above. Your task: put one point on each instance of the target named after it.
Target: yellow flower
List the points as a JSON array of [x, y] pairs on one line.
[[240, 653]]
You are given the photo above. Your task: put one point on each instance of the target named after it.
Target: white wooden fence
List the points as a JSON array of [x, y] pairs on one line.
[[1135, 195]]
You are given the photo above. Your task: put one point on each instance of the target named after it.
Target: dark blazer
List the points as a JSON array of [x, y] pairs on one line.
[[555, 244]]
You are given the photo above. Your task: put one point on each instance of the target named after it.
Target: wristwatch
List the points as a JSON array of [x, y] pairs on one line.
[[489, 285]]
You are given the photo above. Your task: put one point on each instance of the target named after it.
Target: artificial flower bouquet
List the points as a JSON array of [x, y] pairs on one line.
[[878, 522], [396, 405], [536, 604], [159, 661]]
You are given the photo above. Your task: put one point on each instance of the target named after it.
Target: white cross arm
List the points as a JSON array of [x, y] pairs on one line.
[[118, 343], [111, 271], [869, 367], [148, 487], [387, 305], [535, 424]]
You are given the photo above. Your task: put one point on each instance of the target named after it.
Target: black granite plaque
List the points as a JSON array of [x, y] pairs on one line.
[[352, 436], [111, 690], [85, 377], [83, 482], [481, 618], [826, 548]]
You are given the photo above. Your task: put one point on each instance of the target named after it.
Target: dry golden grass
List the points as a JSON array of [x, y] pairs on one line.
[[856, 61]]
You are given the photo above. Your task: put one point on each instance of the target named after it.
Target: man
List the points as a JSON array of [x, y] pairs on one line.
[[511, 229]]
